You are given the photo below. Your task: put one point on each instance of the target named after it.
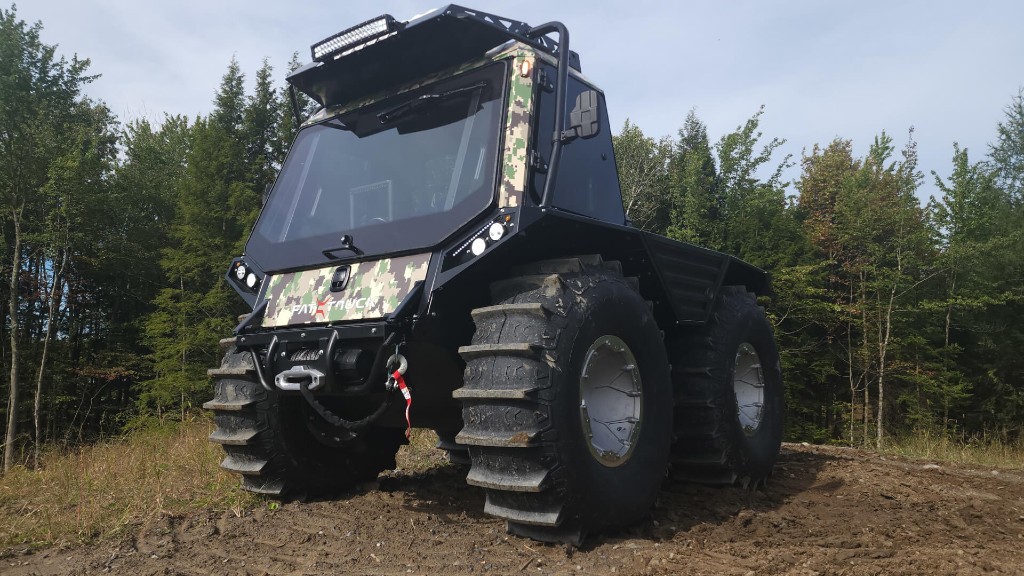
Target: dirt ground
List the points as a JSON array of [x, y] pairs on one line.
[[826, 511]]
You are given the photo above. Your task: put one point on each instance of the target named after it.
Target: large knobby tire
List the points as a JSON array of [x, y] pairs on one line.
[[729, 413], [562, 334], [277, 444]]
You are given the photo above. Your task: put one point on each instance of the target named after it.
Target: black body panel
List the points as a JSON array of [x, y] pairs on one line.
[[680, 279]]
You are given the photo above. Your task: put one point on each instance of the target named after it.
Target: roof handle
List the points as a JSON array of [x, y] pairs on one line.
[[561, 82]]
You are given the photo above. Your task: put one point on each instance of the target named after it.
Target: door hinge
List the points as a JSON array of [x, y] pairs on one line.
[[537, 162]]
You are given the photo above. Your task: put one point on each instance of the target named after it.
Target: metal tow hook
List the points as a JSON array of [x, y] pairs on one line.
[[396, 363]]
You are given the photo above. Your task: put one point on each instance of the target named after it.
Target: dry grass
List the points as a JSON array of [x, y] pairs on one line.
[[421, 454], [101, 490], [940, 447], [104, 490]]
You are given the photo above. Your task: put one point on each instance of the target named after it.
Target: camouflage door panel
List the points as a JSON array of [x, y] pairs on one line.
[[520, 109], [374, 290]]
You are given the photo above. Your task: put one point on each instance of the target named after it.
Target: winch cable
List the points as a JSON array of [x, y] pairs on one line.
[[338, 421]]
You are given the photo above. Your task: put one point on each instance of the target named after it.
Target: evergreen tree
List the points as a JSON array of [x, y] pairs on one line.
[[260, 129], [213, 211], [696, 205], [229, 103], [1008, 151], [289, 125]]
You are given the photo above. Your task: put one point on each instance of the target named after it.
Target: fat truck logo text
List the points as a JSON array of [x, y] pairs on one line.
[[322, 307]]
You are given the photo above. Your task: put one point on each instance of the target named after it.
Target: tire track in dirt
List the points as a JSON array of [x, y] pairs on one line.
[[826, 511]]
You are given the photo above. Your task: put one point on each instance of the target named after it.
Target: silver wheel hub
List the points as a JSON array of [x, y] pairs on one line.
[[748, 384], [610, 400]]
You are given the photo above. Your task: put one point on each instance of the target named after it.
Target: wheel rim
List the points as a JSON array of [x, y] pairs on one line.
[[610, 400], [748, 384]]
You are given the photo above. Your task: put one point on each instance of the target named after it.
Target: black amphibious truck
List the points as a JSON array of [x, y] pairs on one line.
[[445, 247]]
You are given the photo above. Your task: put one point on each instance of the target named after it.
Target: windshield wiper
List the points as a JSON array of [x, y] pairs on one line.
[[407, 107]]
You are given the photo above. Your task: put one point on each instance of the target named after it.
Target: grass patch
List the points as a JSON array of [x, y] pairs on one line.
[[421, 453], [105, 490], [941, 447], [99, 491]]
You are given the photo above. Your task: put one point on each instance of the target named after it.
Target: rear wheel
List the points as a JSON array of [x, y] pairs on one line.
[[729, 414], [566, 401], [279, 446]]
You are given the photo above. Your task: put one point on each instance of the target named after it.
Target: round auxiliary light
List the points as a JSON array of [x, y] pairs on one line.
[[240, 272], [250, 280], [524, 68], [478, 246], [496, 231]]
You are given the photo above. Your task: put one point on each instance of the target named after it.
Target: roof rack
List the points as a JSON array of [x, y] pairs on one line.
[[384, 52], [515, 29]]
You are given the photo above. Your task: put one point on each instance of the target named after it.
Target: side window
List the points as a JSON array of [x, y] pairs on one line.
[[588, 182]]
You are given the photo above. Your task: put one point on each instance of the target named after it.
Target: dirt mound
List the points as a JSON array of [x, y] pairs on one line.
[[826, 511]]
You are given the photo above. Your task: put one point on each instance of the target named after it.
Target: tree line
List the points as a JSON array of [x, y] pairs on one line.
[[891, 316], [115, 241]]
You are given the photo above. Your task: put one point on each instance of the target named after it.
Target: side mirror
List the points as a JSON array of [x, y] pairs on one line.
[[585, 117]]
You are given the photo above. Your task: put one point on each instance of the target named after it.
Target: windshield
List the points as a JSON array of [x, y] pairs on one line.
[[397, 175]]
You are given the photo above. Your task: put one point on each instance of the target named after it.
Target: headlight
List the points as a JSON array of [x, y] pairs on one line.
[[496, 231]]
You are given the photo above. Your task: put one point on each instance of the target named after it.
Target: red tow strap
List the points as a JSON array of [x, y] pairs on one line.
[[397, 376]]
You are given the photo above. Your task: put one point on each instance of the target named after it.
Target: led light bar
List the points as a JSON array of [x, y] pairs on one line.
[[354, 36]]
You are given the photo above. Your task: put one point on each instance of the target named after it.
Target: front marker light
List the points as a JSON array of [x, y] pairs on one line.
[[478, 246]]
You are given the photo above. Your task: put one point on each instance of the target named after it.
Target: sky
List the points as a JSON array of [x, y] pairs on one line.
[[822, 69]]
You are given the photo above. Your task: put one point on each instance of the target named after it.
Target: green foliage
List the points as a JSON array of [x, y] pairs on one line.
[[58, 150], [890, 317], [697, 207], [230, 157], [1008, 151], [642, 176]]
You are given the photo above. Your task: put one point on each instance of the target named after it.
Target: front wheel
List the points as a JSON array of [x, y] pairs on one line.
[[270, 439], [566, 402]]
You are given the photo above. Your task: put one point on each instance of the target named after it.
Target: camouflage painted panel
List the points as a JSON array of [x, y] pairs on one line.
[[517, 132], [374, 290]]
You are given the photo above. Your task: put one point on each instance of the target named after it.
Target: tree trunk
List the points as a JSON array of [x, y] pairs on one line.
[[12, 407], [883, 348], [849, 371], [949, 308], [864, 360], [53, 303]]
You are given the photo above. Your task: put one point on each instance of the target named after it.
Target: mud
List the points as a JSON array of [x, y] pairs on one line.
[[826, 511]]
